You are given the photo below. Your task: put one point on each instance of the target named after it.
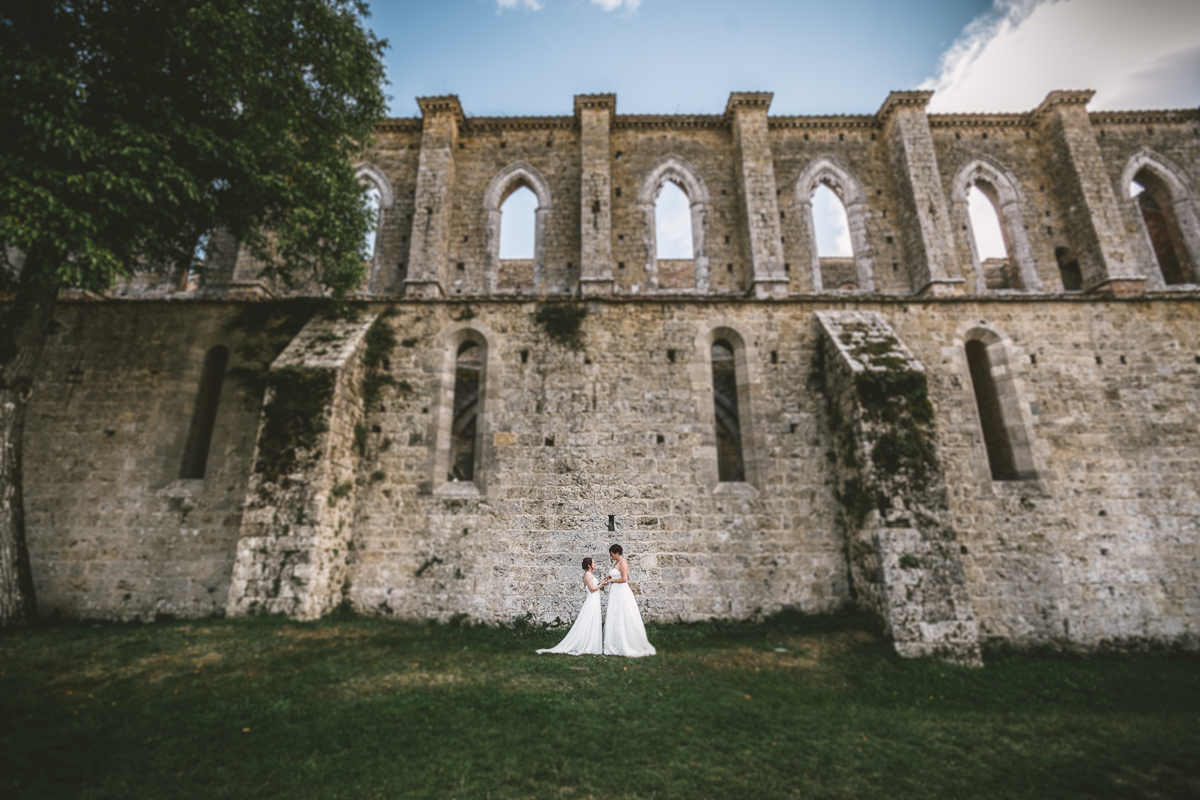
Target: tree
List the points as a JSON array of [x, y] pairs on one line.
[[131, 129]]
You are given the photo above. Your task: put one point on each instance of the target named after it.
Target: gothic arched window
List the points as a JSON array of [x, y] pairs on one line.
[[1154, 201], [991, 414], [468, 380], [730, 463]]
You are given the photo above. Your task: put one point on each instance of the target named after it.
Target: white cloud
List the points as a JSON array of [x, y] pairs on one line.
[[1136, 55], [613, 5], [508, 5]]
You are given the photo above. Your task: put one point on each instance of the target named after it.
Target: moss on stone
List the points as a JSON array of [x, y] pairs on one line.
[[562, 322], [293, 419], [855, 501], [381, 341]]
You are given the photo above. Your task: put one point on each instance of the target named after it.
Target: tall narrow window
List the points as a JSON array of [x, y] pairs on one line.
[[468, 374], [673, 238], [1154, 200], [673, 223], [988, 236], [730, 466], [834, 249], [518, 231], [374, 204], [991, 414], [195, 452], [1068, 269]]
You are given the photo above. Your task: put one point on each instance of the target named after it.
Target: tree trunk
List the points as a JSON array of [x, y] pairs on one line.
[[23, 330]]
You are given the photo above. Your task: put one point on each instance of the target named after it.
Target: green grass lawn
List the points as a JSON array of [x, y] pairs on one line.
[[352, 708]]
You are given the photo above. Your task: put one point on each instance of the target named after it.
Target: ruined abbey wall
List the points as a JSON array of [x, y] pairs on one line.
[[1095, 541]]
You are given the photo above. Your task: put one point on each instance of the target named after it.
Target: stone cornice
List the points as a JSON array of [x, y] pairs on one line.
[[670, 121], [491, 124], [1160, 117], [978, 120], [916, 99], [595, 102], [829, 121], [399, 125], [1060, 97], [445, 104], [748, 101]]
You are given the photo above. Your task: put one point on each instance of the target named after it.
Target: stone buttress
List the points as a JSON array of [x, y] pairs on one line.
[[291, 551], [903, 550]]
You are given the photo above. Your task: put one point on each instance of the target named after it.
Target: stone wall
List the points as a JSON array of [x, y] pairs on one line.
[[1096, 542], [1102, 545], [114, 532]]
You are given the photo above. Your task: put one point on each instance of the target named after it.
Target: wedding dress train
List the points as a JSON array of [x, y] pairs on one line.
[[585, 636], [624, 633]]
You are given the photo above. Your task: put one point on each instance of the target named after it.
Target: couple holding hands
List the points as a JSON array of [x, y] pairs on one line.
[[623, 632]]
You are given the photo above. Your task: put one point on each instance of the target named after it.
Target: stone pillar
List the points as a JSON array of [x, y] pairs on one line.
[[903, 550], [922, 211], [595, 113], [1090, 210], [291, 550], [430, 243], [747, 115]]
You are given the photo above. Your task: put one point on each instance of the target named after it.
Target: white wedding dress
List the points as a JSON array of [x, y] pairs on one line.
[[624, 633], [585, 636]]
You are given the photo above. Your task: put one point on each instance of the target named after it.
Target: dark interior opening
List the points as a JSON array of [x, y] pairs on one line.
[[1068, 270], [730, 466], [1163, 227], [195, 452], [468, 373], [991, 415]]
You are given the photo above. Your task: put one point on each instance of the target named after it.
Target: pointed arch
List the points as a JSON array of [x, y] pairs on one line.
[[834, 173], [372, 176], [366, 172], [1004, 446], [1004, 191], [504, 183], [1176, 197], [677, 170], [467, 394], [725, 401]]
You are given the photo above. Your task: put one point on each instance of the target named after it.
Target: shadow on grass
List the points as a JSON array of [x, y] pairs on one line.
[[796, 706]]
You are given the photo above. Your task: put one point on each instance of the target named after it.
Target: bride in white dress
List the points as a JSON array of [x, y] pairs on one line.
[[624, 633], [585, 636]]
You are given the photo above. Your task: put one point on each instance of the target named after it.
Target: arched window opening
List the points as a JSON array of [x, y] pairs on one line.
[[991, 414], [468, 375], [674, 250], [672, 223], [1153, 198], [1068, 269], [831, 227], [374, 204], [987, 233], [730, 465], [518, 234], [204, 417]]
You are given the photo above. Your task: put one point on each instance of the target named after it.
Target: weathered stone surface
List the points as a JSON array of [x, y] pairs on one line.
[[1095, 543], [904, 553], [292, 546]]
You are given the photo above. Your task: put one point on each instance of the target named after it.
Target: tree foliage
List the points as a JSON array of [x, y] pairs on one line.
[[133, 128]]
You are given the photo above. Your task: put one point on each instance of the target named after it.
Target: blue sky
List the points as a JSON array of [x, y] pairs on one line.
[[529, 57], [668, 56]]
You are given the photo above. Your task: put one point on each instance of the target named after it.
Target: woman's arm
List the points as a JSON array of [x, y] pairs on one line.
[[589, 581], [624, 567]]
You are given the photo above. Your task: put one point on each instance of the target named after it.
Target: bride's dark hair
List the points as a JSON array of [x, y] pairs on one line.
[[616, 548], [587, 562]]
